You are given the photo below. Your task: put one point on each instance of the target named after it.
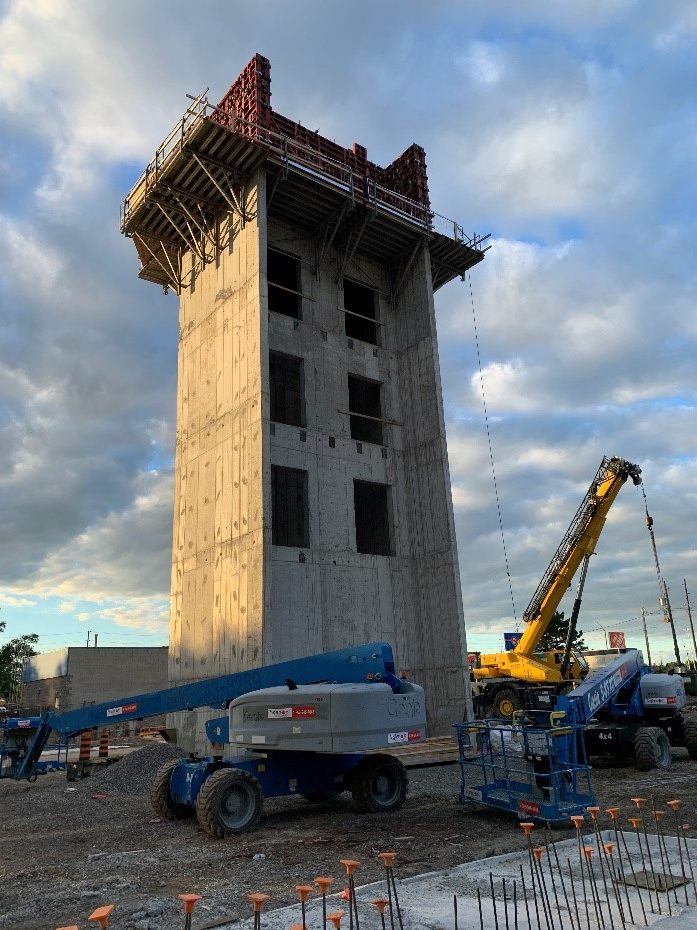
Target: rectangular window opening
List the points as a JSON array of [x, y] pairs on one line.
[[287, 389], [360, 307], [283, 277], [289, 507], [371, 504], [365, 409]]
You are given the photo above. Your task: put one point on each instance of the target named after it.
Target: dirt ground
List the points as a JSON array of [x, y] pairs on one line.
[[65, 852]]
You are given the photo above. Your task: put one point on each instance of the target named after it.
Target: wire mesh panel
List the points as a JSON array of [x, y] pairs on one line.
[[541, 773]]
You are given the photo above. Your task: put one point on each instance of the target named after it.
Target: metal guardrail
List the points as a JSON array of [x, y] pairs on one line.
[[294, 154]]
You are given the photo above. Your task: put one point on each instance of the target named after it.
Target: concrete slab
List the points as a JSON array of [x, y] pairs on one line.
[[426, 902]]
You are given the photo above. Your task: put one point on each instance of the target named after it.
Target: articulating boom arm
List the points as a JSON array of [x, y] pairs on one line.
[[370, 662], [579, 540]]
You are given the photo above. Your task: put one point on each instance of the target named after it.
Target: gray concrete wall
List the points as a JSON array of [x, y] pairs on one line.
[[237, 600], [100, 673], [217, 552], [336, 596]]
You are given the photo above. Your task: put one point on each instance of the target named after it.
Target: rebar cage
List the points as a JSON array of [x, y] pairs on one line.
[[537, 772]]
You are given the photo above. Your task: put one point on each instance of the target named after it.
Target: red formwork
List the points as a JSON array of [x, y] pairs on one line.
[[246, 108]]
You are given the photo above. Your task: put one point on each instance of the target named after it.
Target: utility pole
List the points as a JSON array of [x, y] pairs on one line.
[[646, 635], [88, 637], [692, 627]]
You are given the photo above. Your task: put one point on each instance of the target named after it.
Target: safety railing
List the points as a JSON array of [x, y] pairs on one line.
[[292, 154]]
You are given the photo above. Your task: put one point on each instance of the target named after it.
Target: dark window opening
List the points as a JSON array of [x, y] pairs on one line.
[[371, 504], [366, 410], [283, 276], [289, 508], [360, 312], [287, 389]]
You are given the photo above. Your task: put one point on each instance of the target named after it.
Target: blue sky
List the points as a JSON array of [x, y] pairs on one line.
[[568, 131]]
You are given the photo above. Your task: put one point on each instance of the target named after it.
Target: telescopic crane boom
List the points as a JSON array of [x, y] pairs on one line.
[[523, 663]]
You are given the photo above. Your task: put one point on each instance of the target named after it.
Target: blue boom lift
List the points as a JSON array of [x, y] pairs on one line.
[[300, 727]]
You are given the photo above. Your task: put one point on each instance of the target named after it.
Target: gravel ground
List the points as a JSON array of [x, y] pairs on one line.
[[67, 849]]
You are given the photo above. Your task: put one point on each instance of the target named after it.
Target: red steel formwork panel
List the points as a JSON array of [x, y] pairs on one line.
[[246, 108]]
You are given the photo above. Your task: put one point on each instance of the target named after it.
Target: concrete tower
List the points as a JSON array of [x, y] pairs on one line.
[[312, 495]]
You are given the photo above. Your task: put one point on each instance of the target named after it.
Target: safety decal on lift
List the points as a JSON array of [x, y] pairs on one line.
[[288, 713], [671, 699], [406, 736], [24, 723], [528, 807], [124, 709]]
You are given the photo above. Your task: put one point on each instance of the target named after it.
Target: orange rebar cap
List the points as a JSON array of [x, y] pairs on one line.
[[258, 900], [102, 914], [577, 820], [297, 927], [609, 848], [335, 918], [659, 815], [674, 805], [388, 858], [526, 827], [613, 812], [587, 851], [537, 852], [380, 904], [351, 865], [304, 891], [323, 882], [189, 902], [635, 821], [71, 927], [639, 802], [593, 811]]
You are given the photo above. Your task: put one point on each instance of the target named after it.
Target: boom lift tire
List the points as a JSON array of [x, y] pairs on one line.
[[379, 784], [161, 797], [690, 731], [229, 803], [505, 703], [651, 749]]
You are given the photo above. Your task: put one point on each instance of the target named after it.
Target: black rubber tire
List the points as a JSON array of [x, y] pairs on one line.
[[379, 784], [161, 798], [229, 803], [690, 731], [320, 797], [505, 702], [652, 749]]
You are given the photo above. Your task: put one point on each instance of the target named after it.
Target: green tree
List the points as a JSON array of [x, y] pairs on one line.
[[12, 655], [555, 636]]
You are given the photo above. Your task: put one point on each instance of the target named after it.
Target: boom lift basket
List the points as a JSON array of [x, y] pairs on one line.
[[537, 772]]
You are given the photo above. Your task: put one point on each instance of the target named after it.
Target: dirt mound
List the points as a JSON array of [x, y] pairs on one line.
[[133, 773]]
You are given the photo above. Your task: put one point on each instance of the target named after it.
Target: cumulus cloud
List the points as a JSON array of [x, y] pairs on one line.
[[568, 131]]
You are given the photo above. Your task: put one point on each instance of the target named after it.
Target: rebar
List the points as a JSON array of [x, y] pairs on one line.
[[608, 849], [664, 866], [675, 806], [635, 821], [588, 855], [614, 813], [537, 852], [634, 878], [479, 905], [659, 815], [560, 874], [493, 901], [515, 904], [573, 893], [527, 828], [577, 820], [593, 811], [640, 802], [527, 906], [505, 904], [455, 910]]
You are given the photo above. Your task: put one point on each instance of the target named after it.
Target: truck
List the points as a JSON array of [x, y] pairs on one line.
[[503, 680], [313, 727]]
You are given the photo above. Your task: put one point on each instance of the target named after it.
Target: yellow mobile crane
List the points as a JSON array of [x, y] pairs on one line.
[[503, 678]]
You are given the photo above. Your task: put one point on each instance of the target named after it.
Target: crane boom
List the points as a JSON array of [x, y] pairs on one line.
[[579, 542]]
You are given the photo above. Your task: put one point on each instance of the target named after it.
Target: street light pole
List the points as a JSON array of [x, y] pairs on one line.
[[646, 635], [692, 627]]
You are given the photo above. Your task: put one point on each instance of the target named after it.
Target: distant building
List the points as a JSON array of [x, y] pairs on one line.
[[78, 676]]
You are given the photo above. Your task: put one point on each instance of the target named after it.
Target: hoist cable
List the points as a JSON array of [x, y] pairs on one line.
[[491, 452]]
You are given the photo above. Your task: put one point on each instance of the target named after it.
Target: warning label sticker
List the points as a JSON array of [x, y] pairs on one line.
[[290, 713], [406, 736], [124, 709], [528, 807]]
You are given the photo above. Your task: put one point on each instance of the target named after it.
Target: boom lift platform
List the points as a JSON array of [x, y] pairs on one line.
[[299, 727]]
